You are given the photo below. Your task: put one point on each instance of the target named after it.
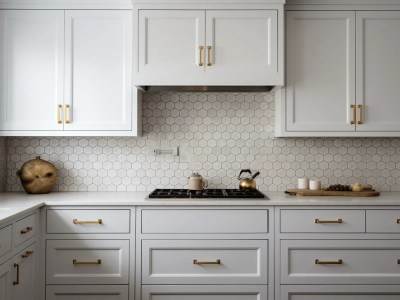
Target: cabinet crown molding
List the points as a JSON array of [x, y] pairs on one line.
[[65, 4]]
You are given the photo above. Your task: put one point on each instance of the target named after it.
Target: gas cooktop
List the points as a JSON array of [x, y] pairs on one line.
[[208, 193]]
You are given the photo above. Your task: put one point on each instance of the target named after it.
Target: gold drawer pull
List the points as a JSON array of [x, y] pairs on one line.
[[59, 107], [338, 221], [16, 282], [207, 262], [26, 230], [209, 63], [201, 48], [98, 221], [353, 107], [360, 107], [27, 254], [66, 109], [328, 262], [96, 262]]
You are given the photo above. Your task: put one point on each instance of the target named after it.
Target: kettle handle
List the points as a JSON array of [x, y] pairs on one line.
[[244, 171]]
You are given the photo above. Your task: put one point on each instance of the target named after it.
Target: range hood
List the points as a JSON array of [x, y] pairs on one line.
[[205, 89]]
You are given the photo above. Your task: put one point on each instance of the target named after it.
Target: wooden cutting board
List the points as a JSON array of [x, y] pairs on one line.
[[296, 192]]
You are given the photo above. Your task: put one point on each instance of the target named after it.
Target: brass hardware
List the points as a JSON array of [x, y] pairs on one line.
[[23, 231], [201, 48], [209, 63], [328, 262], [16, 281], [207, 262], [353, 107], [66, 108], [96, 262], [360, 107], [338, 221], [59, 107], [98, 221], [27, 254], [398, 261], [398, 221]]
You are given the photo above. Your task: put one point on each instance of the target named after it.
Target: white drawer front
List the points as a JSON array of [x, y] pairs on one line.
[[87, 261], [5, 240], [204, 262], [383, 221], [340, 292], [340, 262], [204, 221], [88, 221], [82, 292], [25, 229], [322, 221], [202, 292]]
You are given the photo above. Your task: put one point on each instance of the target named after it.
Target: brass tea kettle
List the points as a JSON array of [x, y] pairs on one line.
[[247, 183]]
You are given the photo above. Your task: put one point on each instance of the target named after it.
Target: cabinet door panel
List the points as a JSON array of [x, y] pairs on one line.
[[320, 83], [89, 292], [378, 69], [25, 289], [98, 85], [5, 281], [31, 69], [244, 47], [169, 42]]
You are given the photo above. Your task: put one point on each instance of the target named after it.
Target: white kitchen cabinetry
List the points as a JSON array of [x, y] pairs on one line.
[[67, 73], [342, 69], [31, 69], [24, 287], [5, 281], [208, 47], [91, 292]]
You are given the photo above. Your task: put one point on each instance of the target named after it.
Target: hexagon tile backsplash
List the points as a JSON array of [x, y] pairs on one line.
[[218, 134]]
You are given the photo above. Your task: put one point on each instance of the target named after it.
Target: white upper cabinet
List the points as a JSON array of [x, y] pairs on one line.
[[223, 47], [378, 70], [320, 86], [170, 44], [31, 69], [98, 81]]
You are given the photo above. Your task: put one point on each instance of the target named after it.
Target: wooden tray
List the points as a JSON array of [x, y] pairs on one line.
[[295, 192]]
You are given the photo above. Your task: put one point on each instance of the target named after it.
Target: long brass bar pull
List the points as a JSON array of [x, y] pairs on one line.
[[16, 282], [27, 254], [209, 61], [353, 107], [201, 48], [338, 221], [26, 230], [66, 114], [361, 119], [76, 221], [59, 108], [95, 262], [328, 262], [207, 262]]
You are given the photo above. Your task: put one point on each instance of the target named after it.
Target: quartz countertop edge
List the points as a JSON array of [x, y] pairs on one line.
[[13, 204]]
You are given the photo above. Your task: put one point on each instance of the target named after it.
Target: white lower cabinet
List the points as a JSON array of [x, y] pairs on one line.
[[204, 292], [5, 281], [24, 284], [87, 292]]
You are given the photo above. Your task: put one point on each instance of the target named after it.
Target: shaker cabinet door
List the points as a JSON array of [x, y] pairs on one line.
[[170, 50], [5, 281], [98, 77], [378, 70], [320, 82], [31, 69], [24, 288], [242, 47]]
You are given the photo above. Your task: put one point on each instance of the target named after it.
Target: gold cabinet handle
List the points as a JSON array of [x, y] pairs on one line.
[[209, 63], [59, 108], [338, 221], [201, 48], [360, 107], [95, 262], [66, 109], [26, 230], [353, 107], [76, 221], [328, 262], [16, 281], [207, 262], [27, 254]]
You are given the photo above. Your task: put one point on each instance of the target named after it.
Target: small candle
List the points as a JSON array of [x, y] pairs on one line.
[[302, 183], [315, 185]]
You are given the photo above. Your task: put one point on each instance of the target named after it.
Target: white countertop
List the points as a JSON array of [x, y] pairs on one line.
[[14, 203]]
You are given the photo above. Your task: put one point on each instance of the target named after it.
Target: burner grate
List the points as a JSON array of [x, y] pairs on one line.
[[208, 193]]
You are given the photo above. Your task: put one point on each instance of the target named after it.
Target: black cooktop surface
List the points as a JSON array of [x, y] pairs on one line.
[[208, 193]]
